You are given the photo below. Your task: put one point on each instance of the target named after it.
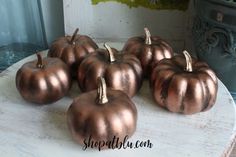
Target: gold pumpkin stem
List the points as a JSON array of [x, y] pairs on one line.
[[189, 61], [40, 61], [72, 41], [148, 40], [111, 54], [102, 91]]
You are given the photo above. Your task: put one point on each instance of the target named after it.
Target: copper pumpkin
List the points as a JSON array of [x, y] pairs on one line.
[[184, 85], [121, 71], [149, 50], [44, 80], [72, 49], [102, 114]]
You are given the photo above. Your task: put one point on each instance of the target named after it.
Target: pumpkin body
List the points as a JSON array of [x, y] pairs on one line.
[[72, 50], [149, 50], [123, 73], [43, 83], [89, 117], [183, 91]]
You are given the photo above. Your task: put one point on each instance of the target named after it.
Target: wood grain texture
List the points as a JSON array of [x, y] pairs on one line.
[[29, 130], [233, 153]]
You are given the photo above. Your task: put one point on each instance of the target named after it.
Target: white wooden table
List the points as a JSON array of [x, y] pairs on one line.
[[29, 130]]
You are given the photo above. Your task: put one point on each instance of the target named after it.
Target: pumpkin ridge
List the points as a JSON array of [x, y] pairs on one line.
[[206, 94], [125, 126], [24, 83], [152, 61], [49, 86], [134, 46], [85, 49], [68, 57], [189, 91], [84, 127], [32, 86], [212, 75], [167, 48], [179, 67], [137, 78], [89, 68], [156, 83], [87, 46], [63, 86], [78, 56], [22, 75], [161, 49], [108, 127], [127, 129], [126, 79], [165, 86], [167, 62], [182, 106], [126, 105], [176, 85], [84, 69], [59, 52], [205, 70], [166, 45], [33, 77], [158, 69], [211, 99]]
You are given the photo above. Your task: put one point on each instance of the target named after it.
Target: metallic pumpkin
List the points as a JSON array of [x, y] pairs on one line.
[[149, 50], [102, 114], [72, 49], [43, 81], [184, 85], [121, 71]]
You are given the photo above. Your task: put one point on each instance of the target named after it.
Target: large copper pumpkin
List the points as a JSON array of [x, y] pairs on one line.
[[184, 85], [44, 80], [100, 115], [149, 50], [72, 49], [121, 71]]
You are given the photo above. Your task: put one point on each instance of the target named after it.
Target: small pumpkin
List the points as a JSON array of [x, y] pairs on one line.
[[72, 49], [183, 84], [101, 115], [121, 71], [43, 81], [149, 50]]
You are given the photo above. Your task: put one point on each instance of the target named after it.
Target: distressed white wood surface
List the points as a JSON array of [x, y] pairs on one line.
[[28, 130]]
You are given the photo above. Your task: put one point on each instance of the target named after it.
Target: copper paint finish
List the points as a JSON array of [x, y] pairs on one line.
[[72, 49], [102, 114], [149, 50], [44, 80], [184, 85], [121, 71]]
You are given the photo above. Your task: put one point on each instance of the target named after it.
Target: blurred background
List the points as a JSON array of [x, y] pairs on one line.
[[205, 28], [28, 26]]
